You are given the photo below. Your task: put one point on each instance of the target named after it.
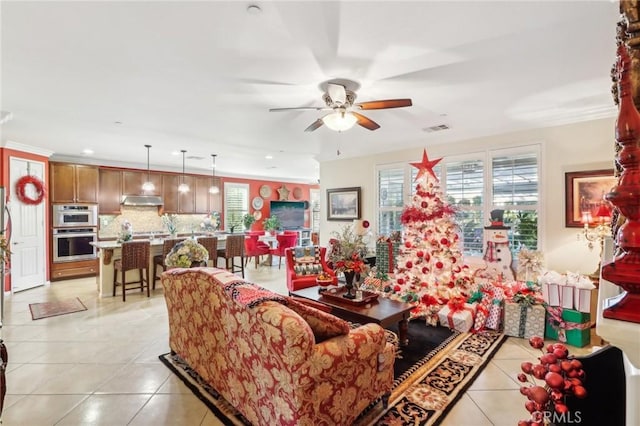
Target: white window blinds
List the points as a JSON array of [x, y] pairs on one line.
[[236, 204]]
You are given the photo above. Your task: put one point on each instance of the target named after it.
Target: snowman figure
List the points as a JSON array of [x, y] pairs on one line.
[[497, 254]]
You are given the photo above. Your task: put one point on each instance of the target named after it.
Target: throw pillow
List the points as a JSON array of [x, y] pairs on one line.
[[323, 325]]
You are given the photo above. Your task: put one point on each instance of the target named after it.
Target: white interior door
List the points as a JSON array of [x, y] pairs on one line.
[[27, 230]]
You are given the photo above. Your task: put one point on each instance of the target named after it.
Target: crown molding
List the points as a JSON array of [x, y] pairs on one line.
[[27, 148]]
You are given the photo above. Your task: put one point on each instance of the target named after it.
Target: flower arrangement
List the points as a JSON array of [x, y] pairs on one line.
[[347, 251], [185, 253], [563, 376], [126, 231], [211, 222], [170, 221], [5, 253]]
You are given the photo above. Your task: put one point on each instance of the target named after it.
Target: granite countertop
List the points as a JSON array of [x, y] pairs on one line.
[[113, 243]]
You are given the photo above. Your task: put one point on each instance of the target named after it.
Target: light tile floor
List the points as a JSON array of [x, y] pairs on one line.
[[101, 367]]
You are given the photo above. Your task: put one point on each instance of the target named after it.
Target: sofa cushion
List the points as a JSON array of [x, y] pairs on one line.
[[323, 325]]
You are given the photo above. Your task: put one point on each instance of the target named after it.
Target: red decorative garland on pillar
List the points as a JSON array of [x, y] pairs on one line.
[[21, 186]]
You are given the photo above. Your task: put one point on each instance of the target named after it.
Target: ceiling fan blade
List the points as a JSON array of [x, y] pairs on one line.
[[365, 122], [313, 126], [337, 93], [388, 103], [298, 109]]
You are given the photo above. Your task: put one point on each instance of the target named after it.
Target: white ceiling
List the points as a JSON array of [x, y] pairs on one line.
[[202, 76]]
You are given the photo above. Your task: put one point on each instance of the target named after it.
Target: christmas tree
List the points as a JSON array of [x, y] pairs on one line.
[[430, 271]]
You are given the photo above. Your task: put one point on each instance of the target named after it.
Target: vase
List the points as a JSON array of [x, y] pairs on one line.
[[348, 279]]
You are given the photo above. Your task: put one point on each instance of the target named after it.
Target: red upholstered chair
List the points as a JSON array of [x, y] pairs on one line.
[[254, 248], [284, 242], [304, 263]]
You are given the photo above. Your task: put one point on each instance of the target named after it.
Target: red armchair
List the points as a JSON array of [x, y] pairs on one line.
[[254, 248], [285, 241], [304, 263]]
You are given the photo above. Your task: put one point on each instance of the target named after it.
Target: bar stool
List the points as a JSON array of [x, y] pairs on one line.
[[135, 255], [211, 244], [158, 260], [234, 247]]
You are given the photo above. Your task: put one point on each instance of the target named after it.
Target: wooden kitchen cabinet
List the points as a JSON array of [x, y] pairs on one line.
[[73, 183], [170, 184], [77, 269], [201, 194], [132, 181], [186, 200], [109, 191]]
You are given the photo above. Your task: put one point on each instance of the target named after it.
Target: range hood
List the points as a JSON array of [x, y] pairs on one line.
[[142, 200]]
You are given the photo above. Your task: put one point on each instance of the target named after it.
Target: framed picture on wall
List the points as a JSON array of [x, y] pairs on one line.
[[343, 203], [584, 193]]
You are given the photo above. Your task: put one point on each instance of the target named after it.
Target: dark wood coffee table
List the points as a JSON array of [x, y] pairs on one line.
[[382, 311]]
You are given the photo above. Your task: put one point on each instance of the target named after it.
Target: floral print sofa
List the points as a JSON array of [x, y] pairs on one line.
[[276, 360]]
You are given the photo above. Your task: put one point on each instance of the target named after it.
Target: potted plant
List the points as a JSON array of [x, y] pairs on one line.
[[271, 224], [248, 220]]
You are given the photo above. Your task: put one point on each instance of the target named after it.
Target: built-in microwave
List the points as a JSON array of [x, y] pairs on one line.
[[75, 215]]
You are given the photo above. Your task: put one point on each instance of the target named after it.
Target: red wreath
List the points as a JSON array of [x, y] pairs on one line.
[[21, 186]]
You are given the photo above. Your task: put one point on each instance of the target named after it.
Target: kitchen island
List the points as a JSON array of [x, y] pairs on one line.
[[109, 251]]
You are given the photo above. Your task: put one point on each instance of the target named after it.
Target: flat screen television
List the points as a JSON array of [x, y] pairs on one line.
[[290, 213]]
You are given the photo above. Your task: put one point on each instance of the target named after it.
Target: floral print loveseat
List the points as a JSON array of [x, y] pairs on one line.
[[276, 360]]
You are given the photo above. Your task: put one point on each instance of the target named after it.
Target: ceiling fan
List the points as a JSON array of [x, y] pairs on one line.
[[339, 98]]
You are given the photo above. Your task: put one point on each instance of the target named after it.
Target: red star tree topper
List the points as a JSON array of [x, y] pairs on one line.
[[430, 269]]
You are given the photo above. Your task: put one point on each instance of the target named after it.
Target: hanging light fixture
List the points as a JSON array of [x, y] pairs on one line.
[[183, 186], [148, 186], [340, 120], [214, 188]]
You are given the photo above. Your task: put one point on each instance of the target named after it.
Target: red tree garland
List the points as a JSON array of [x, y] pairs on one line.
[[21, 186]]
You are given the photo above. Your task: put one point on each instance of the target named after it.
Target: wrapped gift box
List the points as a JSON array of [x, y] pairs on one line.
[[521, 320], [386, 255], [574, 329], [461, 320], [582, 298]]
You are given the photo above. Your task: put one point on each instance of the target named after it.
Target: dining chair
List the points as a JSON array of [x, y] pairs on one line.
[[234, 247], [254, 248], [135, 255], [158, 260], [284, 242], [211, 244]]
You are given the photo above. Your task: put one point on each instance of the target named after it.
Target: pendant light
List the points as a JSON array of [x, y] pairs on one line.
[[148, 186], [214, 188], [183, 186]]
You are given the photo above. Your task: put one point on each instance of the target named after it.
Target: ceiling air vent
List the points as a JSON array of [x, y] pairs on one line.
[[437, 128]]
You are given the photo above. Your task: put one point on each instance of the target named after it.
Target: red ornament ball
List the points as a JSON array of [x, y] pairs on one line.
[[400, 281], [396, 288], [424, 204], [451, 284], [409, 264], [407, 244], [454, 260], [365, 224], [420, 253], [425, 270], [427, 256], [444, 241], [439, 265]]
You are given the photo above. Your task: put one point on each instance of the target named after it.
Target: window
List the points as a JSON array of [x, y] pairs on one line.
[[475, 185], [464, 190], [236, 205]]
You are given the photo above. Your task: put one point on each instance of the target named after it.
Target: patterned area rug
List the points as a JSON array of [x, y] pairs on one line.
[[52, 309], [428, 379]]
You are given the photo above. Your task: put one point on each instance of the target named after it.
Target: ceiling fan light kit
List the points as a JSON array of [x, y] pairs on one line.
[[340, 98], [339, 120]]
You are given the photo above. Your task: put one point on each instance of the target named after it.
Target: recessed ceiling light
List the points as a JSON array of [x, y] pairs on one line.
[[176, 153], [117, 123], [254, 9], [87, 151], [269, 157]]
